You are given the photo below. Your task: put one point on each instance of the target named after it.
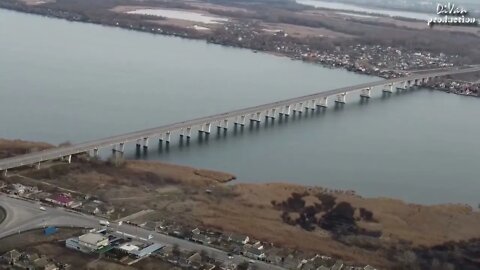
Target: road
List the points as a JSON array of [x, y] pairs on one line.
[[55, 153], [25, 215], [59, 152]]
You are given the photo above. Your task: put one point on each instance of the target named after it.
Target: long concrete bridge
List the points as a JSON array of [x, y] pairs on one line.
[[222, 120]]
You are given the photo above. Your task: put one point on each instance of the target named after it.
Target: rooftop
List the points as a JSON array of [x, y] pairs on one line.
[[92, 238]]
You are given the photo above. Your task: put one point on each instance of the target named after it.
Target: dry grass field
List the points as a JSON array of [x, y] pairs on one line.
[[201, 198]]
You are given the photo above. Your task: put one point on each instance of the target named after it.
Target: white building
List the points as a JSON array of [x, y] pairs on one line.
[[93, 241]]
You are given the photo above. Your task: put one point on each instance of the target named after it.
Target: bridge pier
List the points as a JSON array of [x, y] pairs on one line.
[[5, 173], [323, 102], [38, 166], [69, 159], [121, 147], [167, 137], [225, 124], [242, 121], [298, 107], [341, 98], [95, 152], [388, 88], [314, 105], [189, 132], [404, 86], [256, 117], [365, 93], [207, 129], [272, 116], [145, 142]]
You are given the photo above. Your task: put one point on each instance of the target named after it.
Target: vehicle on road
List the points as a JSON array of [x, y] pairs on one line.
[[43, 208], [104, 223]]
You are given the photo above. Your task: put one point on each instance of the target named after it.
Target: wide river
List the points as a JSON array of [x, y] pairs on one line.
[[63, 81]]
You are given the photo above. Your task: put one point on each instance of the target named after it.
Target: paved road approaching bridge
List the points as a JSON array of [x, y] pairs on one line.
[[25, 215], [255, 113]]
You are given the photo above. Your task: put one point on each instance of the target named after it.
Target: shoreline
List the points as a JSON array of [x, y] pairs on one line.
[[200, 37], [179, 199]]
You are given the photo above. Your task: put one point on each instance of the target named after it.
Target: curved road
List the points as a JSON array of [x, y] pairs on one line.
[[24, 215]]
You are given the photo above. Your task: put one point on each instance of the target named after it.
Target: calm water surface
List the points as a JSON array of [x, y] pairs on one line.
[[64, 81], [388, 12]]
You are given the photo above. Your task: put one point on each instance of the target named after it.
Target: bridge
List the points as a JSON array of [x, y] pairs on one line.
[[282, 108]]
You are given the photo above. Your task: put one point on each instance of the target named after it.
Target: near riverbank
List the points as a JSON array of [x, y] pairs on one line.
[[289, 219]]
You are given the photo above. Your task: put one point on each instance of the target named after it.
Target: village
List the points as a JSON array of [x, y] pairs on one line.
[[106, 243]]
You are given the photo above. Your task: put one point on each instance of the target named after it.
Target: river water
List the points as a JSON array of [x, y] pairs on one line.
[[63, 81], [350, 7]]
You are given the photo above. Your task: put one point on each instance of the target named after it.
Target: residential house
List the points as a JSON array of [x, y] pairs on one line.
[[11, 257], [238, 238], [201, 238], [62, 199], [338, 265], [254, 253]]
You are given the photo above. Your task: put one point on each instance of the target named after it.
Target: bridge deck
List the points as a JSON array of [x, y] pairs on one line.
[[59, 152]]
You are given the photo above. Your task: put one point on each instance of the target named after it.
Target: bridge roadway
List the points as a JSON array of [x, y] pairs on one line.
[[204, 123]]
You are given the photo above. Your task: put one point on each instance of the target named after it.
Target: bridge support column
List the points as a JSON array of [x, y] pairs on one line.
[[121, 147], [287, 109], [139, 143], [404, 86], [5, 173], [388, 88], [145, 142], [242, 120], [208, 127], [298, 107], [323, 102], [189, 132], [341, 98], [38, 166], [95, 152], [366, 93], [167, 137], [225, 124], [274, 112], [270, 115], [314, 104], [69, 159]]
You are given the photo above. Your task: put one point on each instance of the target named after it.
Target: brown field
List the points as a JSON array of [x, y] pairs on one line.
[[195, 197], [305, 31], [178, 193], [10, 148]]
